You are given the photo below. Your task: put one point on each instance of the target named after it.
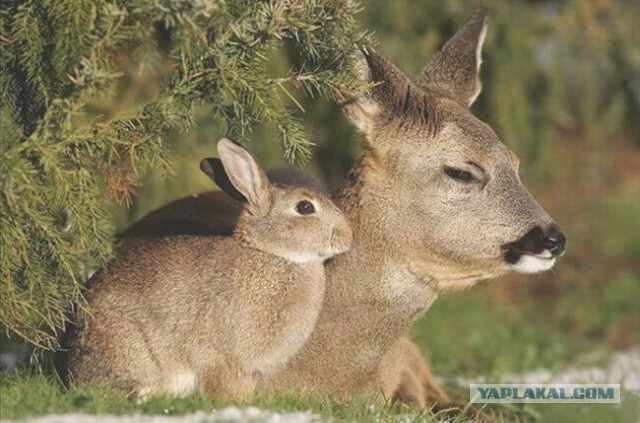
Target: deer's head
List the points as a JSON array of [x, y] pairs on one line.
[[438, 181]]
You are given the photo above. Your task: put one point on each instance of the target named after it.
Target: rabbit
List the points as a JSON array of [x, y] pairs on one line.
[[197, 314]]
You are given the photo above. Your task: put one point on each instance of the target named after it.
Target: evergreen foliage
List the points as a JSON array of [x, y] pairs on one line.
[[62, 161]]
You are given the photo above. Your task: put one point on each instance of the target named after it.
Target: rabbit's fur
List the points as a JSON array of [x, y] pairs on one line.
[[211, 314]]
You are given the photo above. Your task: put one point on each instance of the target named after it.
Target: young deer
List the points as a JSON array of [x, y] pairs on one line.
[[185, 314], [436, 204]]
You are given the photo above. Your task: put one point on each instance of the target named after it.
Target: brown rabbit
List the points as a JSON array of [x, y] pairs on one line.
[[190, 314]]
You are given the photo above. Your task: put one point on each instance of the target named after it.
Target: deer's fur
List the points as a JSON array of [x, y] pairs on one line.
[[418, 229]]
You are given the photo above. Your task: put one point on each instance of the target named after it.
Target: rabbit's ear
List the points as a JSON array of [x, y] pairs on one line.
[[213, 168], [246, 175]]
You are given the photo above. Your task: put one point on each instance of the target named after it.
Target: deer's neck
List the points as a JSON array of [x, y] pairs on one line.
[[370, 288]]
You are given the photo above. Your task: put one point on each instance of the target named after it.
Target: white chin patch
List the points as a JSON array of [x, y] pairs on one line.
[[533, 264]]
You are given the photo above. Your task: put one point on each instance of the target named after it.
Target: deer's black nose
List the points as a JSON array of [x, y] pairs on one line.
[[535, 242], [554, 241]]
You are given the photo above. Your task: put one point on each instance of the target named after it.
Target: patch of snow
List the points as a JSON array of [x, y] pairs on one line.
[[624, 368], [228, 414]]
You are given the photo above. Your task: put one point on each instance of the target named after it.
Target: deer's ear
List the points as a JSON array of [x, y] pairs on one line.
[[391, 91], [454, 70], [214, 169]]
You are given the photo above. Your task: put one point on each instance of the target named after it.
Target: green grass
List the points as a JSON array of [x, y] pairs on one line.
[[34, 395]]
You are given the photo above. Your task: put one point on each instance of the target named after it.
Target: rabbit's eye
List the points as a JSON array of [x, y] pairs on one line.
[[305, 207]]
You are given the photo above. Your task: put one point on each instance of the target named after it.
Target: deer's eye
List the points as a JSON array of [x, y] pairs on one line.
[[305, 207], [459, 174]]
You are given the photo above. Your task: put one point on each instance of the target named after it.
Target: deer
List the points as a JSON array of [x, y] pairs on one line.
[[435, 204]]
